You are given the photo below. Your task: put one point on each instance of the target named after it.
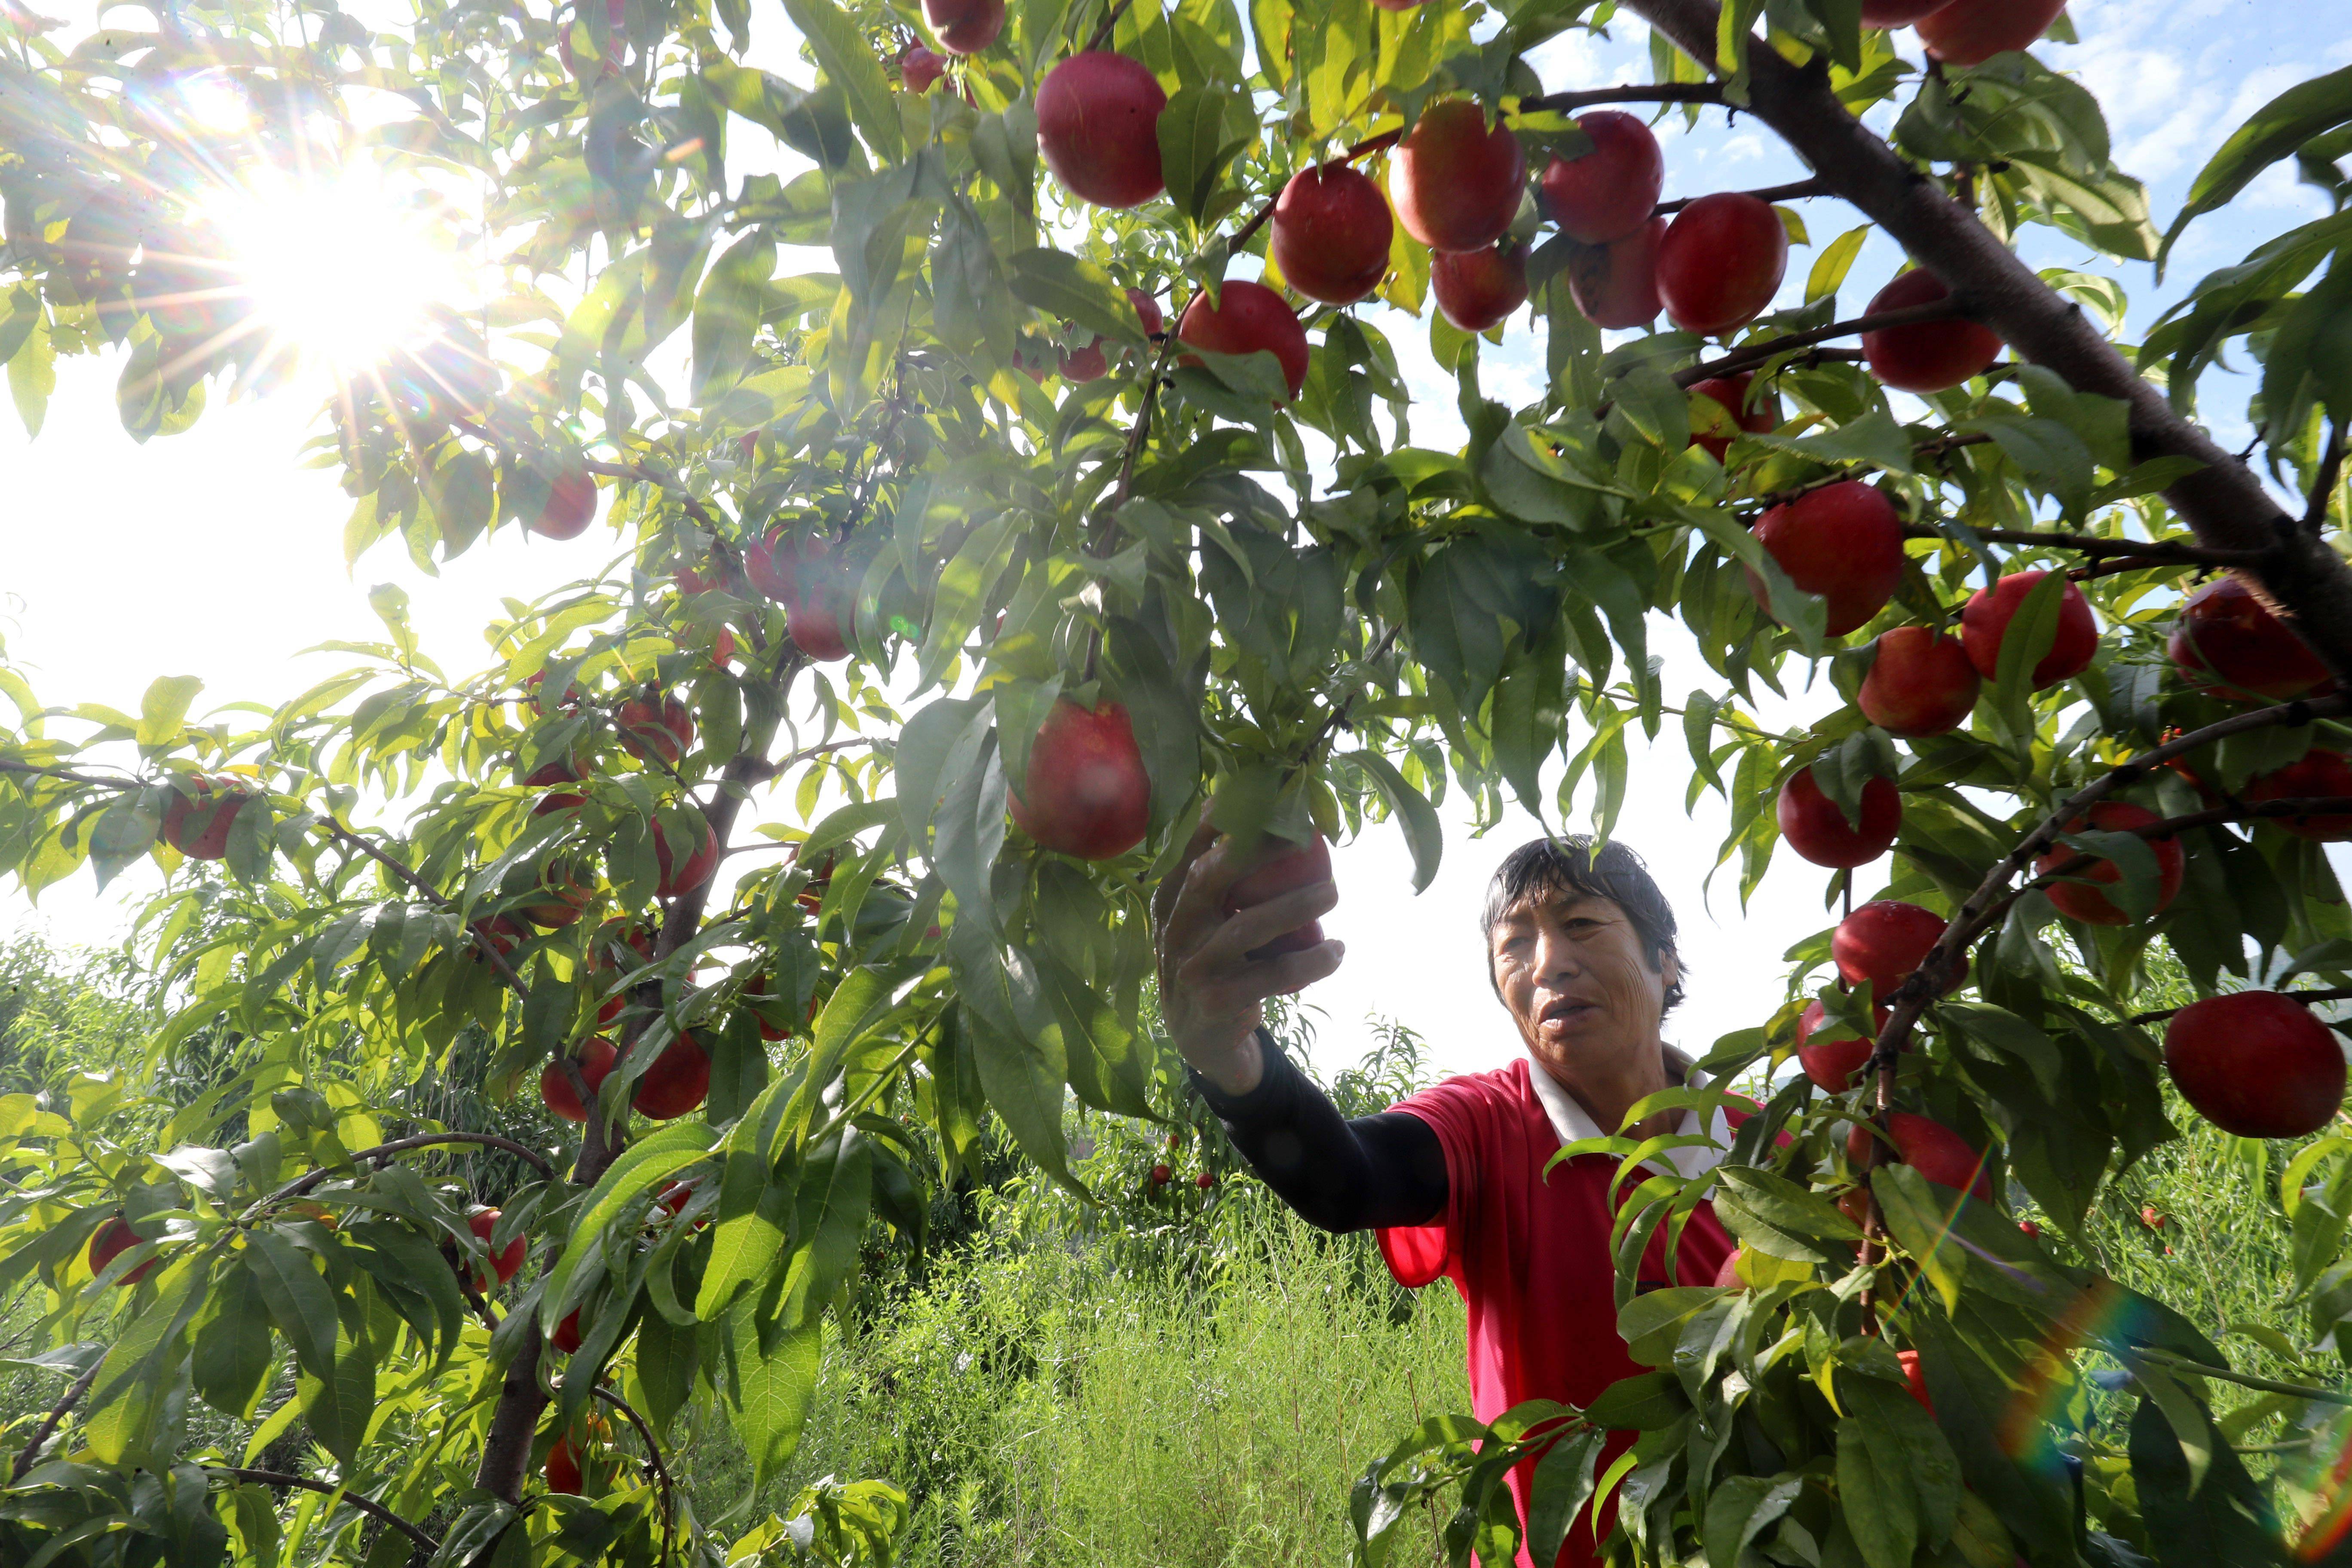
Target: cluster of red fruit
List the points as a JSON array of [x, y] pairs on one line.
[[1923, 682]]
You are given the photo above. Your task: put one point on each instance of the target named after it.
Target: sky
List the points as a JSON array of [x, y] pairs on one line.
[[215, 553]]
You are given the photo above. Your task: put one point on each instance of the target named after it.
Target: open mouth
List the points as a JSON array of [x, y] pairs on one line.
[[1567, 1010]]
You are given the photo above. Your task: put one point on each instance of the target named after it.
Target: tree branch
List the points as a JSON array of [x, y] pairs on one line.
[[1750, 354], [1991, 898], [2243, 1379], [2154, 551], [1795, 191], [2223, 502], [2306, 997], [2322, 488], [368, 1506], [1109, 21], [41, 1434], [653, 1449], [383, 1151], [433, 896], [10, 765], [1650, 92]]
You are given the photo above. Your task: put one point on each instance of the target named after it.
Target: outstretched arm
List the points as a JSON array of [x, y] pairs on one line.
[[1337, 1173]]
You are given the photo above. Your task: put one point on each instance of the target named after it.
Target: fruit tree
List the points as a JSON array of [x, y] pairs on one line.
[[1072, 495]]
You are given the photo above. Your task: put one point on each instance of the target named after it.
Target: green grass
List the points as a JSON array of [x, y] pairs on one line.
[[1041, 1402]]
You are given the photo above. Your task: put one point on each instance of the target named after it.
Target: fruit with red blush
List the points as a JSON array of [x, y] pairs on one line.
[[1609, 192], [1921, 683]]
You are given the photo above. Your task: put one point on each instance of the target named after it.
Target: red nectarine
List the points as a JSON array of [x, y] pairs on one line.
[[1099, 128], [1247, 317], [1480, 288], [1086, 792], [2087, 904], [1921, 683], [1330, 232], [1985, 622], [1817, 830], [1456, 180], [2255, 1064], [1721, 261], [1843, 543], [1927, 356]]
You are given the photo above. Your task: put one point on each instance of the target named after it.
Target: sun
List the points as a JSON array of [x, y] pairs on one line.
[[343, 267]]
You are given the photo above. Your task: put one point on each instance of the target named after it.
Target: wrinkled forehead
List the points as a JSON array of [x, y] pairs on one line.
[[1554, 904]]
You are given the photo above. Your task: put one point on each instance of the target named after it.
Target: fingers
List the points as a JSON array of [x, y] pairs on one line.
[[1221, 990], [1163, 897], [1245, 931]]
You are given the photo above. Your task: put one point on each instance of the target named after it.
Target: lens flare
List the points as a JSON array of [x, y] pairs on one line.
[[342, 266]]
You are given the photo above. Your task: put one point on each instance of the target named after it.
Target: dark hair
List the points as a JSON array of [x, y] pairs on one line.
[[1548, 868]]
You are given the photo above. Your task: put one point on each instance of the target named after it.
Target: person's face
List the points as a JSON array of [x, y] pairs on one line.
[[1573, 971]]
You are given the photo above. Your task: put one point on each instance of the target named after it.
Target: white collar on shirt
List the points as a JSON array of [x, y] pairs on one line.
[[1572, 1122]]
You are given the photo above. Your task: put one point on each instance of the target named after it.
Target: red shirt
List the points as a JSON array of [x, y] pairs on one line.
[[1530, 1257]]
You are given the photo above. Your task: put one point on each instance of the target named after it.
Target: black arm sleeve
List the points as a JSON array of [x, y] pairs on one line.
[[1337, 1173]]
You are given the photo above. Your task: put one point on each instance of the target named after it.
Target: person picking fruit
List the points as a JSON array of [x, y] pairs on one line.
[[1457, 1179]]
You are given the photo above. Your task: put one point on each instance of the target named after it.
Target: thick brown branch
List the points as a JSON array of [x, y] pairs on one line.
[[368, 1506], [1747, 355], [2223, 502], [41, 1434]]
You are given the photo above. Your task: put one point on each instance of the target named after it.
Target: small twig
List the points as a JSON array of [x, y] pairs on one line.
[[41, 1434], [1355, 154], [1934, 447], [1109, 21], [9, 765], [2243, 1379], [766, 771], [2306, 997], [366, 1505], [1795, 191], [2323, 490], [433, 896], [652, 1454], [1655, 92], [382, 1151], [2154, 551], [1339, 714], [1747, 354]]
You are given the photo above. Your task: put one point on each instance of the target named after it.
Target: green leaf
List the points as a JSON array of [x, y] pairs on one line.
[[1741, 1508], [338, 1408], [1423, 835], [2299, 114], [775, 1377], [33, 376], [1202, 129], [1079, 291], [844, 54], [165, 707], [836, 1189], [1834, 262], [622, 1186], [232, 1346], [726, 313], [298, 1301], [1899, 1484]]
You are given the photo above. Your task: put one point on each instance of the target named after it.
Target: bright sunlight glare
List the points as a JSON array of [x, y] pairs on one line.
[[341, 267]]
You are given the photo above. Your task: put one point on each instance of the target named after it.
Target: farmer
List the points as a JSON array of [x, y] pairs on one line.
[[1580, 952]]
